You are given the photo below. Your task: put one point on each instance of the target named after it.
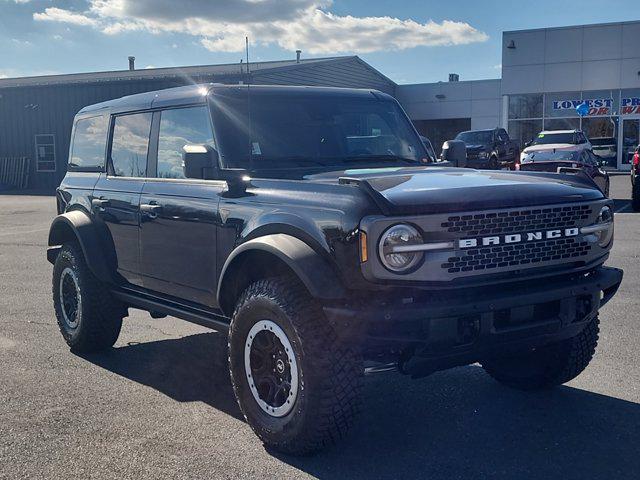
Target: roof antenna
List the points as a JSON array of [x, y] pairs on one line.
[[246, 43]]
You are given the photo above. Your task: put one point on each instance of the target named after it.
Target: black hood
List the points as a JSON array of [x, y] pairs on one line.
[[439, 190]]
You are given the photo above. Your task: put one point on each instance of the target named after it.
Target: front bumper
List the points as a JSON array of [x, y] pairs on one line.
[[431, 331]]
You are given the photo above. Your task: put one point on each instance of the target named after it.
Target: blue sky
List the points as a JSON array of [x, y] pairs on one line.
[[410, 41]]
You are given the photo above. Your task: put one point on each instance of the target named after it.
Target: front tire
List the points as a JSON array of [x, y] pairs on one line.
[[547, 366], [297, 385], [88, 316]]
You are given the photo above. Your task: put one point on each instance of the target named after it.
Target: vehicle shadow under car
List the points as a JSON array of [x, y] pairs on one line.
[[454, 424]]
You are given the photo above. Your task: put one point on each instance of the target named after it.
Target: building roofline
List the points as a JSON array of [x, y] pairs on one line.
[[566, 27], [444, 82], [223, 69]]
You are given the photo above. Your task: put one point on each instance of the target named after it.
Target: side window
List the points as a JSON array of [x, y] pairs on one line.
[[130, 144], [89, 141], [180, 127], [503, 135]]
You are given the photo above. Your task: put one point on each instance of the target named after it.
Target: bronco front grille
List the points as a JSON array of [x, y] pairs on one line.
[[488, 258], [519, 220]]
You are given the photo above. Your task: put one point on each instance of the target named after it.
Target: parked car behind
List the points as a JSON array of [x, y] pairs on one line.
[[565, 161], [556, 139], [606, 148], [635, 180], [492, 149]]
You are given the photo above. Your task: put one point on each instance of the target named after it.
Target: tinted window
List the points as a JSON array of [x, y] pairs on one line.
[[476, 138], [180, 127], [89, 141], [130, 145], [548, 138], [302, 132]]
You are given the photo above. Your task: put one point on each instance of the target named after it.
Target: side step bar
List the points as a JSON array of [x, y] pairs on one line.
[[200, 317]]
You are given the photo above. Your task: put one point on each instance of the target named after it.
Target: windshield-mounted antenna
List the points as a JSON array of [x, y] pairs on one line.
[[246, 43]]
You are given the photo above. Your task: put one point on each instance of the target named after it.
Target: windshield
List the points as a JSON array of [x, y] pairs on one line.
[[552, 156], [475, 138], [312, 132], [547, 138]]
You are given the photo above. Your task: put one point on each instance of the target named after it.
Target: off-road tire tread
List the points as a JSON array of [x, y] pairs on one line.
[[341, 399], [572, 356], [101, 313]]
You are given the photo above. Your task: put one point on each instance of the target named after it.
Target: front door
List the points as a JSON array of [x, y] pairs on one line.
[[628, 141], [179, 216], [116, 196]]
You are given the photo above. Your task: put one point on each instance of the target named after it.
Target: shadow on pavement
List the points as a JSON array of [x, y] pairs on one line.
[[454, 424], [188, 369]]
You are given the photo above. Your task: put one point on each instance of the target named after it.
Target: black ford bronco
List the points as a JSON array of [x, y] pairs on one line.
[[305, 222]]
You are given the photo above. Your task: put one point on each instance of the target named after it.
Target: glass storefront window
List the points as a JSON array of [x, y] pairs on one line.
[[525, 106], [523, 131], [630, 104], [600, 127], [630, 138], [562, 104], [561, 123], [602, 102]]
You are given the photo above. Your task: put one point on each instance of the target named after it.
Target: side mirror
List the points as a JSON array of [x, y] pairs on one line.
[[528, 144], [455, 151], [200, 161]]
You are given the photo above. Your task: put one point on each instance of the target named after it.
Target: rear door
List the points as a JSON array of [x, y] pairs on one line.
[[116, 197], [179, 216]]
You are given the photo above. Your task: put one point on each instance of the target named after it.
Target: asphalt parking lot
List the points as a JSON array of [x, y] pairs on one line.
[[160, 404]]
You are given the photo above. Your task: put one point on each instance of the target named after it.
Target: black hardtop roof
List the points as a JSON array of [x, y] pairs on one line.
[[193, 94]]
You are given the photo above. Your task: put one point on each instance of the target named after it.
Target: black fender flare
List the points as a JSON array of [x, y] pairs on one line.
[[79, 224], [314, 271]]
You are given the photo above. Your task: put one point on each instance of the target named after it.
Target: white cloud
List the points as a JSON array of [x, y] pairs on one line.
[[57, 37], [24, 43], [307, 24], [54, 14]]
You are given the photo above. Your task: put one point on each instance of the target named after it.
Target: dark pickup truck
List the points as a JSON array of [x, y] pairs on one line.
[[490, 149], [307, 223]]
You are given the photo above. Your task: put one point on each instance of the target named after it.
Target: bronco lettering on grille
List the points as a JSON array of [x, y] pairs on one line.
[[517, 238]]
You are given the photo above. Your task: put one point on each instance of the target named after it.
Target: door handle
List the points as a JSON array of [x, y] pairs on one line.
[[150, 209], [99, 204]]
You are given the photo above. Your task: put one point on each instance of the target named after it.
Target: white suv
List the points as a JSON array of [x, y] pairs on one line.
[[557, 140]]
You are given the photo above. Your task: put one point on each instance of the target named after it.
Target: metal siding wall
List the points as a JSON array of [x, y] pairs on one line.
[[56, 108]]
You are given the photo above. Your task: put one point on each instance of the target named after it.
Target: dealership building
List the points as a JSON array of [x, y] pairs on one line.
[[546, 74]]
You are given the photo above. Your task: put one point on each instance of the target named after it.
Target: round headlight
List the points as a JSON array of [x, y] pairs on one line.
[[483, 155], [395, 248], [605, 235]]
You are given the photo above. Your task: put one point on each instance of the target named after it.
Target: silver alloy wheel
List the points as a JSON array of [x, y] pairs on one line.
[[271, 368], [70, 298]]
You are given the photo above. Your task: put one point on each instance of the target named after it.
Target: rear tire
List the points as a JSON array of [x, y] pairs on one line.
[[326, 396], [88, 316], [635, 196], [548, 366]]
